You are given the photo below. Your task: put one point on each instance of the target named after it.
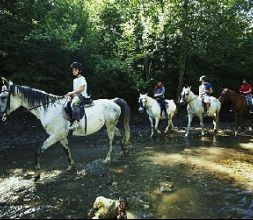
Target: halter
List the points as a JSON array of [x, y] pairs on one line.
[[188, 102], [147, 107]]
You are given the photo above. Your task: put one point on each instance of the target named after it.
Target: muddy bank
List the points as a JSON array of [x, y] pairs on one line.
[[165, 177]]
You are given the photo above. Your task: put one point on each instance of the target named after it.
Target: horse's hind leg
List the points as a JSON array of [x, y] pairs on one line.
[[170, 123], [66, 149], [216, 122], [156, 126], [110, 131], [48, 143], [122, 141]]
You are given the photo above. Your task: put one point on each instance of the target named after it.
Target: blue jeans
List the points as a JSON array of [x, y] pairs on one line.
[[249, 99]]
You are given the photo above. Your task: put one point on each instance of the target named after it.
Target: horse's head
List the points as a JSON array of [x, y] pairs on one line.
[[184, 95], [4, 98], [224, 95], [142, 102]]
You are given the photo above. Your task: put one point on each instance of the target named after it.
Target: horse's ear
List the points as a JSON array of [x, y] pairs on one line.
[[5, 81]]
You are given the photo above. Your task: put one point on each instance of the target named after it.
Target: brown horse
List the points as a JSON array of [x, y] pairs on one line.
[[238, 103]]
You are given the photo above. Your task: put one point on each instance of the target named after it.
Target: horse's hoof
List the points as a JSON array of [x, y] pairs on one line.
[[107, 161], [70, 167], [158, 132], [126, 153], [36, 178]]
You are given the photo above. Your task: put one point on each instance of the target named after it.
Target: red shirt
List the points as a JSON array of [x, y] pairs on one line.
[[246, 89]]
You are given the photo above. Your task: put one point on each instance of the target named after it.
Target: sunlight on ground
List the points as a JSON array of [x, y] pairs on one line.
[[248, 146], [19, 180], [220, 161], [168, 204]]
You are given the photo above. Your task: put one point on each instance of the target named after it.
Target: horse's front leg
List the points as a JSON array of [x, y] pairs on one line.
[[66, 149], [48, 143], [238, 125], [201, 120], [152, 126], [156, 125], [190, 117]]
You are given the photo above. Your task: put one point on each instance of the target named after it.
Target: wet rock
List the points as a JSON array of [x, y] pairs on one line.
[[167, 187]]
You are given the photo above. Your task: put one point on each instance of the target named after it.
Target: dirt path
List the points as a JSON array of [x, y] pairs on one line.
[[167, 177]]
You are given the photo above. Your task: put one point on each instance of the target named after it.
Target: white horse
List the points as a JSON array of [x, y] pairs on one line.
[[195, 108], [49, 109], [153, 110]]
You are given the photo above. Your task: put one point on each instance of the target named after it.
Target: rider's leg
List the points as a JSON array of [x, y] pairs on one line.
[[159, 100], [207, 104], [250, 103], [164, 107], [75, 113]]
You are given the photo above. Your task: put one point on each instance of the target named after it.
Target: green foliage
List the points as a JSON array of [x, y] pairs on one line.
[[126, 45]]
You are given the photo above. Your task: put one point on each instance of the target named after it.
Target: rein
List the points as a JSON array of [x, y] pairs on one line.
[[4, 118], [188, 102], [61, 97]]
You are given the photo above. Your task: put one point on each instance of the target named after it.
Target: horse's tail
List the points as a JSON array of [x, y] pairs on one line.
[[125, 111]]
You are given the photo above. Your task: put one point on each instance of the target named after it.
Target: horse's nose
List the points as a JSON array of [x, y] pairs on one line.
[[181, 102], [140, 110]]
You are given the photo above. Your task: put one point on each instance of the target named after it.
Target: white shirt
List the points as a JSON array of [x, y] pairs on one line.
[[78, 82]]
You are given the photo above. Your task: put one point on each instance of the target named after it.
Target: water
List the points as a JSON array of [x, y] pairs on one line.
[[167, 177]]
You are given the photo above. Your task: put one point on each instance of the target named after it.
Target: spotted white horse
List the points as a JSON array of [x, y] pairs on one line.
[[195, 108], [49, 109], [153, 110]]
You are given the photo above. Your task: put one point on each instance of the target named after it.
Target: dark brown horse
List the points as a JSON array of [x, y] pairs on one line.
[[238, 103]]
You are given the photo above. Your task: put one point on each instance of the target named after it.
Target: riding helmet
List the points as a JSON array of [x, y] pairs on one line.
[[202, 78], [77, 65]]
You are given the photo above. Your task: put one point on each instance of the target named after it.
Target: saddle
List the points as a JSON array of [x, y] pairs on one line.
[[86, 103]]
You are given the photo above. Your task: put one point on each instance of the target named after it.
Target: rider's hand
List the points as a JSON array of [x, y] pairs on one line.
[[68, 94]]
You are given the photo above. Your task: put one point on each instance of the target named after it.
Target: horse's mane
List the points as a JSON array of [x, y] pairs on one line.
[[34, 97]]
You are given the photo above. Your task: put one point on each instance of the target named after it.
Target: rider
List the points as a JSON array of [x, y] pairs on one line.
[[159, 92], [246, 90], [205, 89], [78, 94]]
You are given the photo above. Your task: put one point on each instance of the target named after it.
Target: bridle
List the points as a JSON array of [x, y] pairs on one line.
[[141, 104], [186, 99]]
